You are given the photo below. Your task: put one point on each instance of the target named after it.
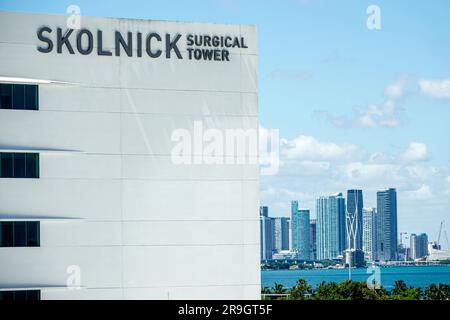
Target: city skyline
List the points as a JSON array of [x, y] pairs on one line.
[[380, 238], [373, 204], [300, 232]]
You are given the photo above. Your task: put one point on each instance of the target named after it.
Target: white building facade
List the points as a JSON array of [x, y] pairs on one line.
[[369, 233], [92, 203]]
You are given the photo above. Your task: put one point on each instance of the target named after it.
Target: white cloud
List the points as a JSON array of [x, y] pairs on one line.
[[421, 172], [380, 157], [396, 90], [422, 193], [309, 148], [307, 168], [384, 115], [438, 89], [312, 168], [416, 151], [378, 115], [370, 173]]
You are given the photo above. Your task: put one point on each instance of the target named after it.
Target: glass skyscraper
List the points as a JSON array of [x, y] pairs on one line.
[[419, 245], [313, 239], [355, 207], [387, 225], [281, 233], [300, 231], [369, 233], [266, 234], [330, 226]]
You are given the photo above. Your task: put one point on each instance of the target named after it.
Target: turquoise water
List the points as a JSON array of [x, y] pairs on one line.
[[417, 276]]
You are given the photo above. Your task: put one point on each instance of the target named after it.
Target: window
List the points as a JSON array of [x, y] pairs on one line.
[[19, 96], [33, 235], [19, 165], [20, 295], [20, 234]]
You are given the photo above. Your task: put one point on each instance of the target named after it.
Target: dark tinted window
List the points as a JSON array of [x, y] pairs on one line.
[[20, 234], [6, 295], [31, 97], [6, 165], [33, 231], [33, 295], [19, 165], [6, 96], [6, 234], [32, 165], [19, 96], [20, 295]]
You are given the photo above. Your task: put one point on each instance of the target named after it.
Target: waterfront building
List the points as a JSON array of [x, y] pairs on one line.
[[354, 258], [369, 233], [281, 233], [300, 231], [330, 226], [266, 235], [387, 242], [313, 239], [355, 206], [285, 255], [419, 246]]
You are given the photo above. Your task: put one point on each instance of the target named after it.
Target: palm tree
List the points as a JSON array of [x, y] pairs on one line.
[[438, 292], [265, 290], [399, 288], [302, 290], [278, 288]]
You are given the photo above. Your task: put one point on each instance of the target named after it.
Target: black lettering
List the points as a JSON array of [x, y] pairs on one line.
[[190, 53], [120, 42], [90, 46], [100, 50], [227, 42], [139, 44], [236, 43], [63, 40], [158, 52], [190, 40], [243, 43], [197, 54], [172, 45], [45, 39], [225, 55], [215, 41], [198, 40], [207, 41], [207, 54], [216, 55]]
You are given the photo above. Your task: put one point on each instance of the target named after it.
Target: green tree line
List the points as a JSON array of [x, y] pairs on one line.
[[353, 290]]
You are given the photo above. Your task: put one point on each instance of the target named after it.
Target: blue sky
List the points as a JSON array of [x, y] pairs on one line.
[[355, 107]]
